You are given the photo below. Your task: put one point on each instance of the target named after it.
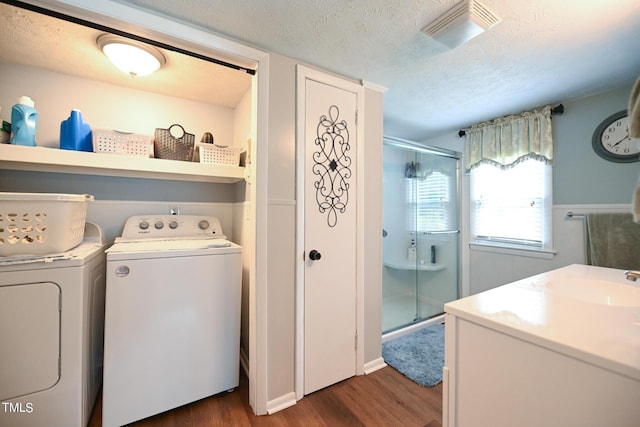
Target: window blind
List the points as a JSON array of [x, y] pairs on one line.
[[429, 202], [511, 206]]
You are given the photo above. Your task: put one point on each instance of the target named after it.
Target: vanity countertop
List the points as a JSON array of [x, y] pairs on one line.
[[587, 312]]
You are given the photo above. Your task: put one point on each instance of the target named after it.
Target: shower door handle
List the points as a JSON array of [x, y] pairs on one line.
[[314, 255], [429, 233]]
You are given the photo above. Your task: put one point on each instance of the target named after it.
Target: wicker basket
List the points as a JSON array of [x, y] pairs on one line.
[[41, 223], [174, 143], [116, 142], [216, 155]]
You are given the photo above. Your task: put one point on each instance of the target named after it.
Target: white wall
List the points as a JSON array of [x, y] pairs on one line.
[[492, 268], [372, 189], [107, 106], [241, 125]]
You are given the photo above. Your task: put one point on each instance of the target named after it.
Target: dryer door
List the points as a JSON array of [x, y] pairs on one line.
[[30, 337]]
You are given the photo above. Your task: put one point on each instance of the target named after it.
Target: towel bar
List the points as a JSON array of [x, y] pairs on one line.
[[575, 215]]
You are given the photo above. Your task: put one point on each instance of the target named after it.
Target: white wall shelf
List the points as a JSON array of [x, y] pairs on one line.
[[43, 159], [413, 265]]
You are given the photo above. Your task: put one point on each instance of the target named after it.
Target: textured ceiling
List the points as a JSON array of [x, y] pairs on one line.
[[33, 39], [542, 52]]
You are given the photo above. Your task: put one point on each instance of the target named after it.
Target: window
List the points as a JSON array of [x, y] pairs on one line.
[[512, 207], [429, 201]]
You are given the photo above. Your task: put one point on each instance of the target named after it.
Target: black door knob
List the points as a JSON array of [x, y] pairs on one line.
[[314, 255]]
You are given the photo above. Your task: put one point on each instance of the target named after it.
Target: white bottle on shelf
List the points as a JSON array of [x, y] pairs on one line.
[[412, 250]]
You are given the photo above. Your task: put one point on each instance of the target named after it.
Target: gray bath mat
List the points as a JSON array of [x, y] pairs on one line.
[[419, 355]]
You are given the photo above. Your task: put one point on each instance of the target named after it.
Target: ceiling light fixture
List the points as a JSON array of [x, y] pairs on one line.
[[132, 57], [461, 23]]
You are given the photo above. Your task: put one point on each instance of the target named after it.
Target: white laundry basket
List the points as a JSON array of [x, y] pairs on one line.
[[127, 143], [41, 223], [213, 154]]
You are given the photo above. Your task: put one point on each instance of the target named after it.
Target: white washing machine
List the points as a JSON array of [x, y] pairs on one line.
[[51, 335], [172, 316]]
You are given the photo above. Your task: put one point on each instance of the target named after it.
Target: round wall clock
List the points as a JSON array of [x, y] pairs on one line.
[[611, 139]]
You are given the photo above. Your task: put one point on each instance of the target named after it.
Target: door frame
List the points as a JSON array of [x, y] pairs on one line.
[[302, 74]]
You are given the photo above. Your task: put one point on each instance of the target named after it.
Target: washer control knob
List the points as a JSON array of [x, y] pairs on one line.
[[203, 225], [143, 225], [158, 225], [173, 225]]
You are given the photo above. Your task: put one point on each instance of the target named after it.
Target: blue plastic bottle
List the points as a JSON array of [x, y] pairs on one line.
[[24, 122], [75, 134]]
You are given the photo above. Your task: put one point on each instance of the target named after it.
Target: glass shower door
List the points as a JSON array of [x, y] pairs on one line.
[[421, 233]]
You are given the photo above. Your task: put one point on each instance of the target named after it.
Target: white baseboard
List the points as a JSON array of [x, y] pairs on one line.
[[282, 402], [374, 365], [289, 399]]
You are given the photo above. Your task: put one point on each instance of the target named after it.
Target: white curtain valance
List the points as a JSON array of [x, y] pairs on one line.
[[509, 140]]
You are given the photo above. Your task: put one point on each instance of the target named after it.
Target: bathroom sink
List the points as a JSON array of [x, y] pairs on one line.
[[597, 292]]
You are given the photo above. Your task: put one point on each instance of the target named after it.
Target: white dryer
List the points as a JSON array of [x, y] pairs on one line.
[[51, 335], [172, 316]]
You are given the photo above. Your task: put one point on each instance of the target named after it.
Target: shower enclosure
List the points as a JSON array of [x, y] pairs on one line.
[[421, 232]]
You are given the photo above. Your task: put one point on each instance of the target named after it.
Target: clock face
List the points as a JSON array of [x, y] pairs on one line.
[[611, 139]]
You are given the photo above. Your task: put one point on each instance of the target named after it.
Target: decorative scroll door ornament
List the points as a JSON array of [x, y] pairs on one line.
[[332, 165]]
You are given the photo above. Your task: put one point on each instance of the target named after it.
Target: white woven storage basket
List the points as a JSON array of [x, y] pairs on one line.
[[115, 142], [216, 155], [41, 223]]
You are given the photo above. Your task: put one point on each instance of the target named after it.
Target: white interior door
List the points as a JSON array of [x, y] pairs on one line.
[[330, 232]]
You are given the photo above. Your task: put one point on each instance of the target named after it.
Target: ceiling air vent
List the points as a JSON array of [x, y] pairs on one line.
[[461, 23]]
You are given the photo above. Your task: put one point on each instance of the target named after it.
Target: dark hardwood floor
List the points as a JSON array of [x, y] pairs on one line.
[[383, 398]]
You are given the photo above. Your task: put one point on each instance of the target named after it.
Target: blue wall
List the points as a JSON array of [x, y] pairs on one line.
[[580, 176]]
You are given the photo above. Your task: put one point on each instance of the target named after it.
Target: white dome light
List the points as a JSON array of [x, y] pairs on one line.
[[129, 56]]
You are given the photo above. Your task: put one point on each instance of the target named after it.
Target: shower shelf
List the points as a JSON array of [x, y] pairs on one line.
[[408, 265]]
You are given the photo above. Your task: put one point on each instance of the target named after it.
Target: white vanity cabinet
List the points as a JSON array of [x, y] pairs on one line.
[[526, 355]]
